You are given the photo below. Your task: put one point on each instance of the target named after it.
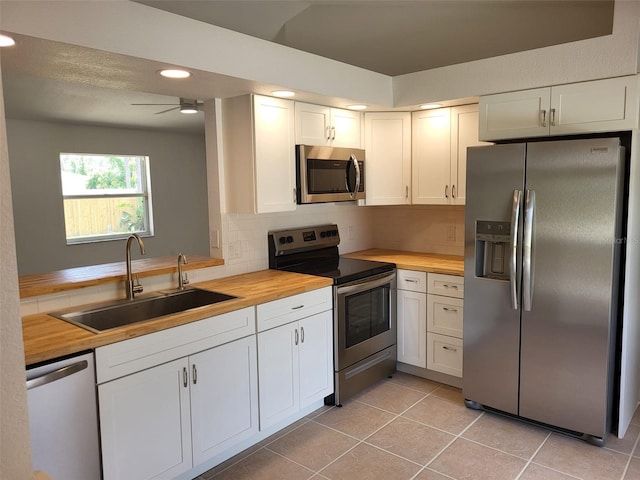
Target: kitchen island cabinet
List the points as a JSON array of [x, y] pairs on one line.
[[161, 421], [295, 351]]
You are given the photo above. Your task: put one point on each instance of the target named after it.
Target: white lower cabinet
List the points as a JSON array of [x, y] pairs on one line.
[[412, 317], [295, 366], [161, 422], [444, 323]]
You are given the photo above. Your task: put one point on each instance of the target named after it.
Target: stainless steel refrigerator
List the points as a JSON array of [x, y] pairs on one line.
[[542, 248]]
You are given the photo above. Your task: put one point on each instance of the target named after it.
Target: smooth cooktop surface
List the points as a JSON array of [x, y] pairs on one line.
[[342, 270]]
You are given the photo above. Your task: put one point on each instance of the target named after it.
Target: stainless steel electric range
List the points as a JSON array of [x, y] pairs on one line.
[[364, 304]]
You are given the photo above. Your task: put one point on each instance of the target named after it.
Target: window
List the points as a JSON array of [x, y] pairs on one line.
[[106, 197]]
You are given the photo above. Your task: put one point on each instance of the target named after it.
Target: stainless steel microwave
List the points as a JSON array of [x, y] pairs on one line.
[[329, 174]]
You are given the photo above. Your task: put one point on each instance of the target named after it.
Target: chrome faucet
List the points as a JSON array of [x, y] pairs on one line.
[[129, 286], [182, 279]]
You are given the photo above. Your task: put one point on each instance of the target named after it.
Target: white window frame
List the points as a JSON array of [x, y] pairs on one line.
[[145, 194]]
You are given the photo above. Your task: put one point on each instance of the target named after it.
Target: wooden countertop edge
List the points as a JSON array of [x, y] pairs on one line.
[[89, 276], [46, 337], [423, 262]]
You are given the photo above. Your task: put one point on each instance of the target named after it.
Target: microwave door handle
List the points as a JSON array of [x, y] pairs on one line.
[[356, 167]]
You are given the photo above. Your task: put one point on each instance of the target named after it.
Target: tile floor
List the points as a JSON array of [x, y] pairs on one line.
[[410, 428]]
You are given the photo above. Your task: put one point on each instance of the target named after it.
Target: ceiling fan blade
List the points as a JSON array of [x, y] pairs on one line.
[[167, 110]]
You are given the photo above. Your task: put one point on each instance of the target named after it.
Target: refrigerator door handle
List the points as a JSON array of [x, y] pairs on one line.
[[527, 250], [513, 260]]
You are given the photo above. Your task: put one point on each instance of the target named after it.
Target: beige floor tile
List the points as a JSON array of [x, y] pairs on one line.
[[626, 444], [319, 411], [427, 474], [449, 393], [633, 471], [355, 419], [390, 396], [209, 474], [284, 431], [313, 445], [442, 414], [636, 417], [411, 381], [265, 465], [369, 463], [411, 440], [508, 435], [575, 457], [538, 472], [471, 461]]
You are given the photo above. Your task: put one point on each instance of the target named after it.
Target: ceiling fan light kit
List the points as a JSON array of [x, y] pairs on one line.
[[186, 105]]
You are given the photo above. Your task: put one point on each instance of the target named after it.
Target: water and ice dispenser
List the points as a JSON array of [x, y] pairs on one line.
[[493, 249]]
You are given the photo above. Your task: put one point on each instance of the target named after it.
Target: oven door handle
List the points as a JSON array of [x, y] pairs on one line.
[[367, 284]]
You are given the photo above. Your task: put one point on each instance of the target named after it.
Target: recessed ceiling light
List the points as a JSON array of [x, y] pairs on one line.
[[357, 107], [175, 73], [6, 41], [428, 106], [283, 93]]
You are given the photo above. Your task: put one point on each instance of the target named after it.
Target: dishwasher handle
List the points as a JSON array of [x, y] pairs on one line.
[[56, 374]]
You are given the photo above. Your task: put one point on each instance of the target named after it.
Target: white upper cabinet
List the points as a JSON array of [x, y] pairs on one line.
[[388, 163], [439, 153], [259, 154], [320, 125], [597, 106]]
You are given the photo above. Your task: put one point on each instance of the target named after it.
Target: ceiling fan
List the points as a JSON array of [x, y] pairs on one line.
[[186, 105]]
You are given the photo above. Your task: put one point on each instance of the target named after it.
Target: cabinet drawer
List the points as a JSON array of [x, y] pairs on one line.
[[444, 315], [412, 281], [444, 354], [447, 285], [285, 310], [129, 356]]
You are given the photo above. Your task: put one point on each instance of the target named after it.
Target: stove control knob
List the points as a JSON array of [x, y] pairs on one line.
[[289, 239], [335, 233], [282, 240]]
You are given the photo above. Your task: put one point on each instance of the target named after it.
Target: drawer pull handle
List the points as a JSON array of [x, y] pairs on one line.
[[298, 307], [446, 347], [452, 310], [455, 287], [410, 280]]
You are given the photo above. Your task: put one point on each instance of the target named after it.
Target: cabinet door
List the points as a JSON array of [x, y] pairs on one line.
[[464, 134], [387, 137], [313, 124], [274, 154], [316, 357], [515, 114], [431, 156], [145, 424], [599, 106], [412, 328], [278, 374], [224, 397], [346, 128]]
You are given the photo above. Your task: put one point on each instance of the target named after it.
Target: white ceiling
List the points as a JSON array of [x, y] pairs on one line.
[[391, 37]]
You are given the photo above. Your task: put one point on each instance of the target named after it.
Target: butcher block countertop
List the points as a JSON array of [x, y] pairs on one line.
[[424, 262], [79, 277], [46, 337]]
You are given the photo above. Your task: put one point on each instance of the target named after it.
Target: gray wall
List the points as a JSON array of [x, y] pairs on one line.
[[178, 188]]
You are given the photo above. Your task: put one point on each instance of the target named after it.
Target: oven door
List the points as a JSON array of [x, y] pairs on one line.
[[365, 318]]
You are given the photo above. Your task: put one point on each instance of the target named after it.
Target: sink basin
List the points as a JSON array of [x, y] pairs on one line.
[[106, 316]]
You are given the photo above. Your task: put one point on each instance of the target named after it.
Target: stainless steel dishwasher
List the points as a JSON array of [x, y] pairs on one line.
[[63, 419]]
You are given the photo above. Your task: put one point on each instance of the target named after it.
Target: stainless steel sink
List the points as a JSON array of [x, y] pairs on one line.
[[106, 316]]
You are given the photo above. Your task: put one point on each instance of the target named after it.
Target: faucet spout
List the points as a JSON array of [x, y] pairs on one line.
[[182, 279], [130, 288]]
